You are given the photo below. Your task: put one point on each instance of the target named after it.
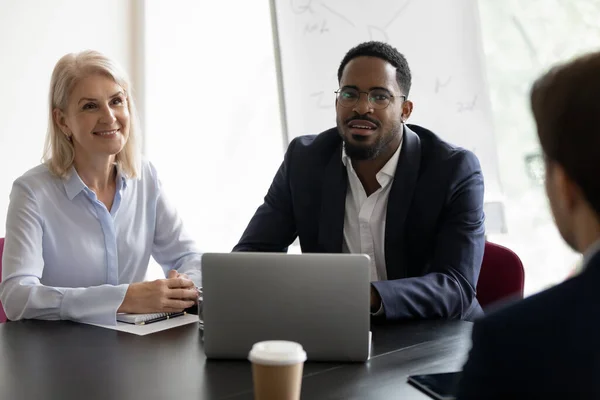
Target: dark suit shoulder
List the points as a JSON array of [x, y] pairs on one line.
[[545, 344], [316, 146], [433, 142], [436, 152], [551, 312]]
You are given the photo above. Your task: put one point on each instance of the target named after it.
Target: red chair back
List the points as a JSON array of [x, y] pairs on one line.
[[501, 277], [2, 315]]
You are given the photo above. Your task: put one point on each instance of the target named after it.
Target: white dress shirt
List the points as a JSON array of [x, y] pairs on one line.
[[364, 217], [67, 257]]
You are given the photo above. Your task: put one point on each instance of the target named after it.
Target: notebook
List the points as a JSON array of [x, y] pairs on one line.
[[141, 319]]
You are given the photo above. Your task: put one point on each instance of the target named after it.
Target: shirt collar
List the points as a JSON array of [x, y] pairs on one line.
[[73, 183], [389, 168]]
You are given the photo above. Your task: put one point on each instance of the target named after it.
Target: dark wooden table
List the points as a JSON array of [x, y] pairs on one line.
[[64, 360]]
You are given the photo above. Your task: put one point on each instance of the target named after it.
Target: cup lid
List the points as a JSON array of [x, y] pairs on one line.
[[277, 352]]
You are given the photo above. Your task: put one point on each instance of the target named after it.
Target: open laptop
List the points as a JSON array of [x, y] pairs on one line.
[[321, 301]]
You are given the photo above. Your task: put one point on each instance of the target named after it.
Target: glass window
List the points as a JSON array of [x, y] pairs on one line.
[[521, 40]]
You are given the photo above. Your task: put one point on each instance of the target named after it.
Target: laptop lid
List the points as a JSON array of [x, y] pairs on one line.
[[321, 301]]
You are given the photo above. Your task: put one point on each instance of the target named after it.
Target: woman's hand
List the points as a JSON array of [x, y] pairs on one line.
[[174, 274], [173, 294]]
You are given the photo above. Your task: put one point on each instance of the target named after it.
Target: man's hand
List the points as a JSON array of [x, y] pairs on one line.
[[161, 295], [375, 300]]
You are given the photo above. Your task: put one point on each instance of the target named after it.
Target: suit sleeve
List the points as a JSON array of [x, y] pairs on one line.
[[447, 290], [484, 373], [273, 227]]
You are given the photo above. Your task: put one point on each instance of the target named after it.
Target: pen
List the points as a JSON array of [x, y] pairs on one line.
[[161, 318]]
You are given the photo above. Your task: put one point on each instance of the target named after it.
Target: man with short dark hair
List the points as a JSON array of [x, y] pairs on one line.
[[547, 346], [377, 186]]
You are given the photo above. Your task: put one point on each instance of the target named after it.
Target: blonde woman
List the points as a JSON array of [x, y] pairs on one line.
[[81, 227]]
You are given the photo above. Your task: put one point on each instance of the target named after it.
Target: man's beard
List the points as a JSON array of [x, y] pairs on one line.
[[363, 152]]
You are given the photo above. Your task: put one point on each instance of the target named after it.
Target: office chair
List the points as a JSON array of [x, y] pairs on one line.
[[502, 276]]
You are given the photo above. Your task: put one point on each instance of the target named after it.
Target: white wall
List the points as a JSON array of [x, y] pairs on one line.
[[34, 34], [212, 112]]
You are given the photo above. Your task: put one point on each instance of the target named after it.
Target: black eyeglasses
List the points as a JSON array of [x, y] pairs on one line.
[[378, 98]]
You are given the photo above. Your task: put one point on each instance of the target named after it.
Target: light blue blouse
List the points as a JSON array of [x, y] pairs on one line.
[[67, 257]]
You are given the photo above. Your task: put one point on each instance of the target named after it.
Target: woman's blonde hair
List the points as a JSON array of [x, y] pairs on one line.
[[59, 152]]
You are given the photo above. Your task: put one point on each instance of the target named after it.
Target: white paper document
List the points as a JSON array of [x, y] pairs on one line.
[[147, 329]]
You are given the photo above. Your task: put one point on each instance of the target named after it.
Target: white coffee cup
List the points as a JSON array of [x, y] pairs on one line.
[[277, 369]]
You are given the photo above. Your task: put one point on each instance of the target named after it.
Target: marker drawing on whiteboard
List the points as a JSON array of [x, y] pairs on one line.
[[466, 106], [337, 14], [301, 6], [400, 10], [439, 84], [377, 34], [380, 34], [316, 27], [319, 97]]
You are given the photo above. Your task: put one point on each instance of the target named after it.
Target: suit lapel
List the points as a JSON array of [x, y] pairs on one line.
[[333, 204], [399, 201]]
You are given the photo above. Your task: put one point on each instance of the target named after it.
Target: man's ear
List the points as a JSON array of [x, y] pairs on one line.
[[407, 108], [565, 188]]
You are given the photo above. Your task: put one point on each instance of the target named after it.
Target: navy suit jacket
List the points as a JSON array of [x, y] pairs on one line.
[[546, 346], [434, 233]]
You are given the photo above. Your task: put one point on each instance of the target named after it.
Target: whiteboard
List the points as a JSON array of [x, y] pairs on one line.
[[441, 40]]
